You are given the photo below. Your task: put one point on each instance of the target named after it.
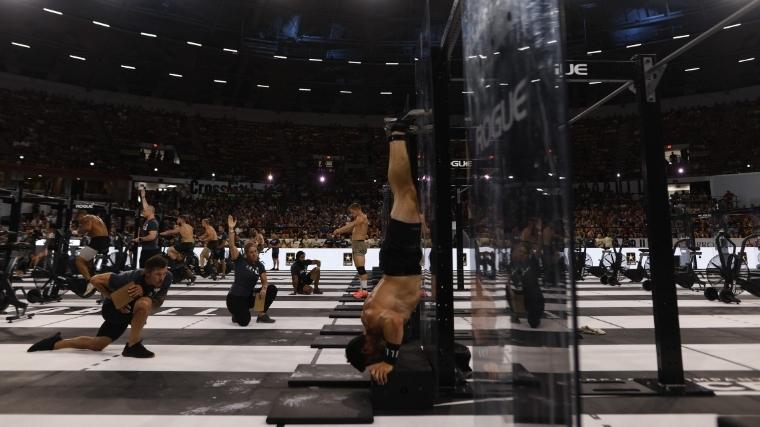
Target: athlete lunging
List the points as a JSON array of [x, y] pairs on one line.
[[396, 295]]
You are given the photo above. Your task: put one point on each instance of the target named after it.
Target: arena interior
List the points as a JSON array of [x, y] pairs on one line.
[[391, 212]]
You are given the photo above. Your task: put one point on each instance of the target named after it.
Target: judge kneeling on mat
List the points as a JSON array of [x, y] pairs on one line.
[[248, 271], [146, 288], [396, 295]]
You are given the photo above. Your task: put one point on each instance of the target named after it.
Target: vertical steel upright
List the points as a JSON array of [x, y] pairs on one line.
[[664, 299]]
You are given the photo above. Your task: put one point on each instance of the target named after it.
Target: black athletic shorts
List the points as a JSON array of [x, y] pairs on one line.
[[305, 279], [184, 247], [400, 254], [275, 252], [115, 323]]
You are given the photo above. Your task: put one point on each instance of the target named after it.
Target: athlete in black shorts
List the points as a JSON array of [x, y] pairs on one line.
[[396, 296], [148, 287], [274, 243], [300, 276]]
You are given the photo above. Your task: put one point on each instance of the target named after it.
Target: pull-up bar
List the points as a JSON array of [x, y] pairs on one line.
[[658, 67]]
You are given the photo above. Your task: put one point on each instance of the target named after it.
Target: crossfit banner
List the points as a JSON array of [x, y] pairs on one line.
[[516, 117]]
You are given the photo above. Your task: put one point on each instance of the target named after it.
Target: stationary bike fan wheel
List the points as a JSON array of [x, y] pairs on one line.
[[713, 275], [711, 293], [587, 263], [608, 260], [742, 275], [34, 296]]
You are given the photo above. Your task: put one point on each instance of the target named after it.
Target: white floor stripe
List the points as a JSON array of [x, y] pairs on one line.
[[597, 420], [169, 358]]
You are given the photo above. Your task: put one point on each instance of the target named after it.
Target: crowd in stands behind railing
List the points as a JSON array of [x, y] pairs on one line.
[[57, 131]]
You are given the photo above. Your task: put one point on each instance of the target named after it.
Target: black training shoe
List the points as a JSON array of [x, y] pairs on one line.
[[46, 344], [138, 350], [264, 318], [317, 291]]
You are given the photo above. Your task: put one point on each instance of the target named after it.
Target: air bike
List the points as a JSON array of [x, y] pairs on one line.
[[728, 271], [12, 252], [685, 274], [610, 265]]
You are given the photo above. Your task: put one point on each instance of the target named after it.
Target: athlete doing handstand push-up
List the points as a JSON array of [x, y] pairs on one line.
[[396, 295]]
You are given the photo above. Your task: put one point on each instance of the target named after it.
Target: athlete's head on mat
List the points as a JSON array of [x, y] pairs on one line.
[[251, 252], [155, 270], [365, 350]]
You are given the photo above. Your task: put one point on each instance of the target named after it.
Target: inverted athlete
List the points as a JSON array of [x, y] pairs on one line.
[[396, 296], [358, 228]]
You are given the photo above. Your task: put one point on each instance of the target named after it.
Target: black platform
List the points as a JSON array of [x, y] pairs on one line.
[[349, 307], [346, 315], [322, 406], [411, 384], [342, 376], [352, 330], [331, 341]]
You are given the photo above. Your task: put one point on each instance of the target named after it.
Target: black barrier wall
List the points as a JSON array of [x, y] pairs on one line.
[[422, 148], [522, 300]]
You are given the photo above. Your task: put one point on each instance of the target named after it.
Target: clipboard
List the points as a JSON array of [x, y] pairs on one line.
[[121, 297], [258, 303]]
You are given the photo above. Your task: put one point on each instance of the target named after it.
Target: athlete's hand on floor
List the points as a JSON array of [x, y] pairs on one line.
[[379, 372]]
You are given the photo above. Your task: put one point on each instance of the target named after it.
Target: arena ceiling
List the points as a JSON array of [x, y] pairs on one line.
[[341, 56]]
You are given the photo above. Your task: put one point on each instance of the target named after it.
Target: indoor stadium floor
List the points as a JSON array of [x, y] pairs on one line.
[[208, 371]]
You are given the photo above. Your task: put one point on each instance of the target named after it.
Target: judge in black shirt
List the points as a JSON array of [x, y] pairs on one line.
[[147, 287], [248, 271]]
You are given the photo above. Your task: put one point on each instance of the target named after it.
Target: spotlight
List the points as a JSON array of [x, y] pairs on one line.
[[21, 157], [749, 165], [486, 176], [322, 178], [511, 177], [92, 163], [270, 177], [155, 169], [617, 174], [374, 180], [213, 174], [681, 170]]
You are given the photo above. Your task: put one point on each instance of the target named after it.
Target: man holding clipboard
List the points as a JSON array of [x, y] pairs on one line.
[[129, 299]]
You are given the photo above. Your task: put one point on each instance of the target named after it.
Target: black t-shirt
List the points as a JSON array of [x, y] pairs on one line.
[[274, 243], [116, 281], [246, 277], [148, 226], [300, 267]]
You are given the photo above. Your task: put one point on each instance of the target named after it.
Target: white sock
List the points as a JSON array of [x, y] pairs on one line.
[[362, 284]]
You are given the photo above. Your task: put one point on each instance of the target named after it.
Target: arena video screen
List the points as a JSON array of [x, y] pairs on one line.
[[523, 311]]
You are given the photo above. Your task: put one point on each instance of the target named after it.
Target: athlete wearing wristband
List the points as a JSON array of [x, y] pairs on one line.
[[396, 295]]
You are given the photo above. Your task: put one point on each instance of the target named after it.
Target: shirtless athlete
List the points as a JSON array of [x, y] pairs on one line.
[[95, 228], [396, 295], [358, 228]]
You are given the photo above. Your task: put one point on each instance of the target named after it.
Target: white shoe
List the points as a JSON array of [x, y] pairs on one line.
[[90, 291]]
